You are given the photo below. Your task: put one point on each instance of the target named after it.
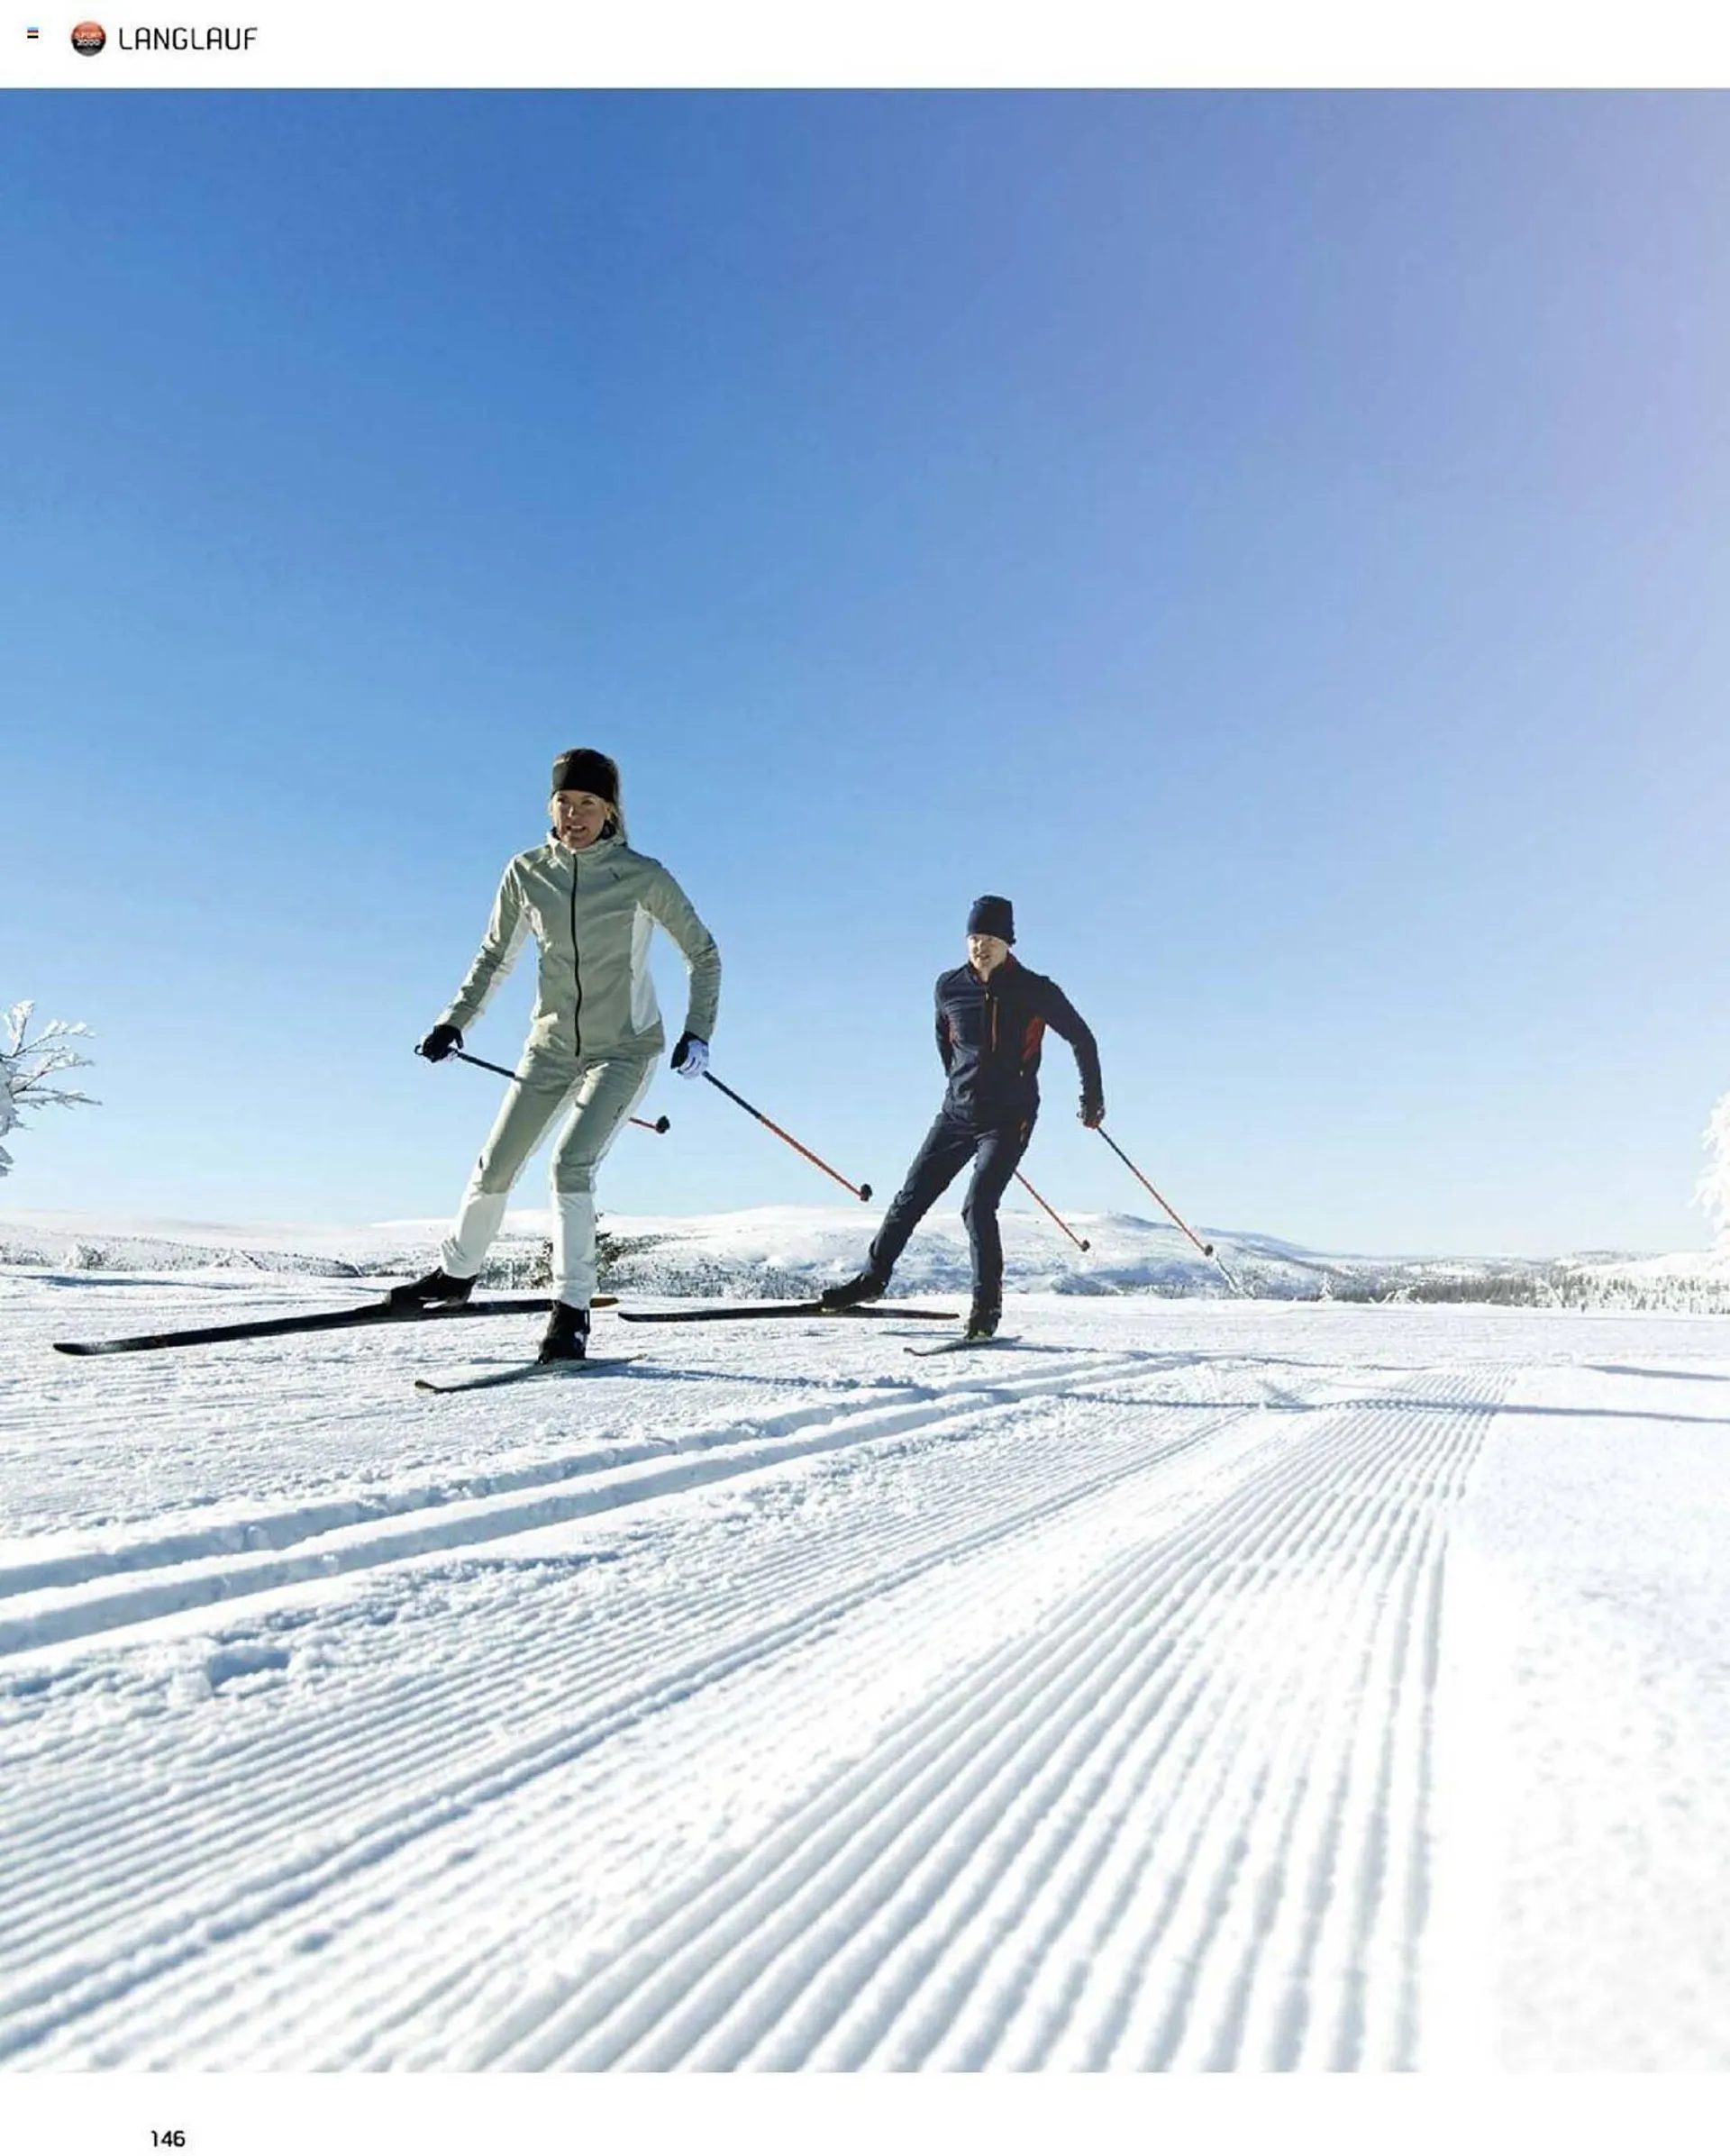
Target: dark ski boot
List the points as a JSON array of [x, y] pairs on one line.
[[438, 1286], [863, 1287], [567, 1335], [982, 1320]]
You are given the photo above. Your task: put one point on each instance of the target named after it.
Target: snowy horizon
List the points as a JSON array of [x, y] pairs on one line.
[[782, 1253], [827, 1223]]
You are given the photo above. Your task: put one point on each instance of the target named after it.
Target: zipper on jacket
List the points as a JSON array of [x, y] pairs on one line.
[[575, 961]]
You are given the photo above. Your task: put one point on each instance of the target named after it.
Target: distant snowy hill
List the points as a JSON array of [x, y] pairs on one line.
[[792, 1250]]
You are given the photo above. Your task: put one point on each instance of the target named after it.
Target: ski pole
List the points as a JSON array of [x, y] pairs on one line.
[[660, 1126], [861, 1191], [1081, 1242], [1207, 1249], [480, 1063]]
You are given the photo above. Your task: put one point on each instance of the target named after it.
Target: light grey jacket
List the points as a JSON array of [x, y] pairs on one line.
[[592, 914]]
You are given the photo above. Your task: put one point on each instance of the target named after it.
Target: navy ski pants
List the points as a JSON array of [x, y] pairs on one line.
[[995, 1151]]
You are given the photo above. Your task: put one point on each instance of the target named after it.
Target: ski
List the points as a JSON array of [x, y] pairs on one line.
[[315, 1321], [586, 1367], [964, 1345], [705, 1317]]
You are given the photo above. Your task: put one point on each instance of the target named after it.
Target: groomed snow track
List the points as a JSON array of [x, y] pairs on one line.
[[1072, 1712]]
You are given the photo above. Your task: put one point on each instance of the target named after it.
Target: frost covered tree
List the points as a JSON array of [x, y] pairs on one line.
[[27, 1066], [1712, 1192]]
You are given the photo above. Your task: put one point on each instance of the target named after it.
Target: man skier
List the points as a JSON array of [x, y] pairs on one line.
[[591, 904], [991, 1015]]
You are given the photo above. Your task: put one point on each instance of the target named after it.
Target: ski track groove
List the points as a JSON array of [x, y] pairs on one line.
[[301, 1795], [858, 1932], [867, 1808], [1224, 2022], [1005, 1710], [382, 1742], [392, 1533], [731, 1980], [1104, 1874], [1295, 1868], [599, 2049], [1124, 1651], [1207, 2026], [1163, 1701]]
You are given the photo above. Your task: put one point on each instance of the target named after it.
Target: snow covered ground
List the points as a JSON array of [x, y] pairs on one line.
[[1187, 1685]]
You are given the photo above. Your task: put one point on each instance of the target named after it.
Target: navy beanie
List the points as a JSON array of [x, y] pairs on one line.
[[992, 917], [585, 771]]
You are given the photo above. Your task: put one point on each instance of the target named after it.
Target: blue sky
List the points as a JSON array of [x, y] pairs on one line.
[[1279, 540]]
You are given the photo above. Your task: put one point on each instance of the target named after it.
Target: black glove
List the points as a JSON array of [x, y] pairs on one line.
[[439, 1043], [690, 1056], [1093, 1113]]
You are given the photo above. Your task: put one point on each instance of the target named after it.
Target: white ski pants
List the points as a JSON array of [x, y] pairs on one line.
[[600, 1095]]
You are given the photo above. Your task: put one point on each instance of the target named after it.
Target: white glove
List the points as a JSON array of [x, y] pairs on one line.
[[691, 1056]]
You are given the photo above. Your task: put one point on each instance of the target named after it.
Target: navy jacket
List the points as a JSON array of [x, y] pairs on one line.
[[988, 1035]]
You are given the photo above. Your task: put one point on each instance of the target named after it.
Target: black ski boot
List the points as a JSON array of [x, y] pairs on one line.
[[567, 1335], [982, 1320], [863, 1287], [438, 1286]]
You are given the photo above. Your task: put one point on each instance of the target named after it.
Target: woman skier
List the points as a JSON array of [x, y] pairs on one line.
[[991, 1015], [591, 903]]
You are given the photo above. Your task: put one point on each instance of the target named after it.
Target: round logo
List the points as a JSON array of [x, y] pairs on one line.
[[89, 38]]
